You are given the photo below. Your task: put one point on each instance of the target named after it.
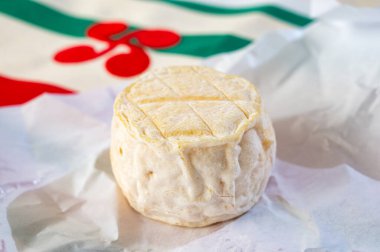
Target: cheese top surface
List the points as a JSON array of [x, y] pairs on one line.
[[188, 104]]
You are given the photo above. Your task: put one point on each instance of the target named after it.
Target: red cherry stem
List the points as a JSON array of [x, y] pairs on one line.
[[109, 48], [115, 42], [127, 40], [121, 35]]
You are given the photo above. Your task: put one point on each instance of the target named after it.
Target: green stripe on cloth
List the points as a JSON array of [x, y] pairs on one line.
[[271, 10], [53, 20], [45, 17], [207, 45]]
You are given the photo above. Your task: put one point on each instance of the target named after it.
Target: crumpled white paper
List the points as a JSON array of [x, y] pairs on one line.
[[321, 87]]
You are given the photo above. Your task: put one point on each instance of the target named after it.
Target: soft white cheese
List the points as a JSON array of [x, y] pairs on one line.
[[191, 146]]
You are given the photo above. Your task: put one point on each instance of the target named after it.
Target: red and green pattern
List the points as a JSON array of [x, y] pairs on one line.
[[129, 63], [136, 41], [53, 20], [191, 44]]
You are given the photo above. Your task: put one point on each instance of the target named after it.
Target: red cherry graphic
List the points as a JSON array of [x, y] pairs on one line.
[[103, 31], [76, 54], [157, 38], [128, 64], [113, 34]]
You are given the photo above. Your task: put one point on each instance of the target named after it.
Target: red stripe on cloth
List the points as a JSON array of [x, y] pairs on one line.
[[13, 92]]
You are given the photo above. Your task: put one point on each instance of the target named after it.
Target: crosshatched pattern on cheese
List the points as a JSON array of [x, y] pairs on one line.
[[183, 102]]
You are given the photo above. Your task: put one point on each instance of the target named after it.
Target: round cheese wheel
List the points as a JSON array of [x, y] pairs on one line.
[[191, 146]]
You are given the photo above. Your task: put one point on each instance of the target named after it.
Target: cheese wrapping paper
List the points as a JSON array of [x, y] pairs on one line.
[[320, 87]]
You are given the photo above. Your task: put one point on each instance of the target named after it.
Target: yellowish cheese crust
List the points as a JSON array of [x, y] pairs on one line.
[[205, 104], [191, 146]]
